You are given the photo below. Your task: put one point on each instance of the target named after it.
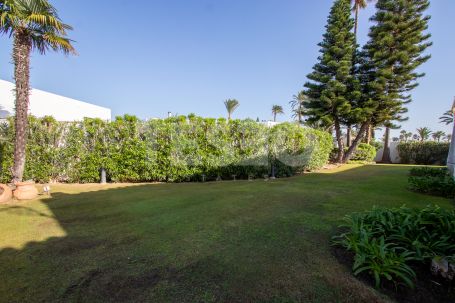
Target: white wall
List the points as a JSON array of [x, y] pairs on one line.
[[47, 104]]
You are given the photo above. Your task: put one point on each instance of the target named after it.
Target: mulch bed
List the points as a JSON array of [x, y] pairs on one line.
[[428, 288]]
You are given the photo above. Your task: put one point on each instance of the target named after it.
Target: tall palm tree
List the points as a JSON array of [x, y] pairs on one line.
[[424, 133], [446, 118], [276, 109], [358, 5], [34, 25], [231, 106], [298, 106], [437, 136]]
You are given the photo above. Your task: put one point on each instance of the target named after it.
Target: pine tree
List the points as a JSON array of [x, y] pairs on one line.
[[398, 40], [329, 88]]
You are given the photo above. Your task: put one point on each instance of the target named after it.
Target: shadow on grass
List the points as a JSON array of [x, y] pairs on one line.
[[222, 241]]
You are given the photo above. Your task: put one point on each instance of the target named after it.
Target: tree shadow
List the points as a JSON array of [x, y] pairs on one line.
[[190, 242]]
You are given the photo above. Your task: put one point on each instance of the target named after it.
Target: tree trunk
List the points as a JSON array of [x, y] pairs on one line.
[[355, 143], [369, 134], [349, 136], [21, 57], [274, 117], [356, 21], [386, 153], [340, 142]]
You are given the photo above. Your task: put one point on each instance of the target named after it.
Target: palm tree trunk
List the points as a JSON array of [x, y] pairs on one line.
[[21, 57], [356, 22], [386, 153], [339, 141], [274, 117]]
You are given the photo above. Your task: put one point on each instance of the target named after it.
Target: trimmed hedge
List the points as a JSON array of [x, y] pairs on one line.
[[426, 153], [175, 149]]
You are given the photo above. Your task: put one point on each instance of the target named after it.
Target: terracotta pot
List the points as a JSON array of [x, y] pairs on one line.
[[25, 191], [6, 194]]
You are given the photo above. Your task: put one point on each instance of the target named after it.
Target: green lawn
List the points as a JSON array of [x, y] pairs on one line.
[[208, 242]]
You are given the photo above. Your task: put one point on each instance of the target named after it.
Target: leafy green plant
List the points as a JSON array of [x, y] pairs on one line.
[[386, 242], [426, 171], [364, 153], [443, 186]]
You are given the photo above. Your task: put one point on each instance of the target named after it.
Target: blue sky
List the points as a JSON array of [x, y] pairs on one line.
[[150, 57]]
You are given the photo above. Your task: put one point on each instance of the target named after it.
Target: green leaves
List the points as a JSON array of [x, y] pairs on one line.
[[175, 149], [433, 181], [427, 153], [387, 241], [38, 20]]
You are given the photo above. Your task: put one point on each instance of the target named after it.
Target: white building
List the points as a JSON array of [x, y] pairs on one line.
[[47, 104]]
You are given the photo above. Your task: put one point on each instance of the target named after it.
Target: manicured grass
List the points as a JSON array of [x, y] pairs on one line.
[[208, 242]]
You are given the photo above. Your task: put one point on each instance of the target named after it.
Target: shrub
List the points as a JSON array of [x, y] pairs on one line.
[[429, 172], [386, 242], [433, 181], [175, 149], [426, 153], [364, 153]]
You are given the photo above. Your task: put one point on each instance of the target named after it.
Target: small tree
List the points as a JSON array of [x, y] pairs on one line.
[[277, 109], [231, 105]]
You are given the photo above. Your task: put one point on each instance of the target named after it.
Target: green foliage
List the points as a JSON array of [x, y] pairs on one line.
[[433, 181], [426, 171], [387, 241], [175, 149], [364, 153], [393, 55], [330, 85], [426, 153]]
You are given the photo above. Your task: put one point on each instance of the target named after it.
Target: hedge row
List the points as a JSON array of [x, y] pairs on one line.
[[174, 149], [426, 153]]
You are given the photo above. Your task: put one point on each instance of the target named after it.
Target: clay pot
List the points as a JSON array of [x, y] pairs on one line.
[[25, 191], [6, 194]]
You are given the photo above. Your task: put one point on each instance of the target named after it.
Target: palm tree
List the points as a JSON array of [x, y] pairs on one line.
[[437, 136], [423, 133], [298, 106], [34, 24], [276, 109], [358, 5], [446, 118], [405, 136], [231, 106]]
